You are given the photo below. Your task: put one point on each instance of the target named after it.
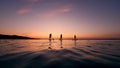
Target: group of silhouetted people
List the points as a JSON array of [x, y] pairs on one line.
[[61, 38]]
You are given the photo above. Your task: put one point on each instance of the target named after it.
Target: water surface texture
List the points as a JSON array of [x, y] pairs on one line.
[[59, 54]]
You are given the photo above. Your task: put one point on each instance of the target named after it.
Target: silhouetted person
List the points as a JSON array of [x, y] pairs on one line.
[[61, 37], [50, 36], [75, 37]]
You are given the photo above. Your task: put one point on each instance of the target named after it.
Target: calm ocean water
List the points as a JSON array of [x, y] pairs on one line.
[[59, 54]]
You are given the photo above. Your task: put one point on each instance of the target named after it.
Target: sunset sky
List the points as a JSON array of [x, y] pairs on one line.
[[39, 18]]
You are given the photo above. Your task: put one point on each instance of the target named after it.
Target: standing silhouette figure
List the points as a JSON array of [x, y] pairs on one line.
[[50, 36], [60, 37], [75, 37]]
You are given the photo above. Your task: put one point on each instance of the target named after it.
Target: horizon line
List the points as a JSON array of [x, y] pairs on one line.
[[71, 38]]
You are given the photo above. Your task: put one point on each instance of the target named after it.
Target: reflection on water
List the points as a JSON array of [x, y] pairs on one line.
[[50, 43], [59, 53], [61, 44], [75, 43]]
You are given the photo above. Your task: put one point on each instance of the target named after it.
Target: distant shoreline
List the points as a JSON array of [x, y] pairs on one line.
[[2, 36]]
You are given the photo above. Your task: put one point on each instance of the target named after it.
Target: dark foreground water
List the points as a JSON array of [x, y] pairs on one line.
[[59, 54]]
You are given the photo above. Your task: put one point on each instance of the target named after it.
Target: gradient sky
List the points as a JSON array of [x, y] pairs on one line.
[[38, 18]]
